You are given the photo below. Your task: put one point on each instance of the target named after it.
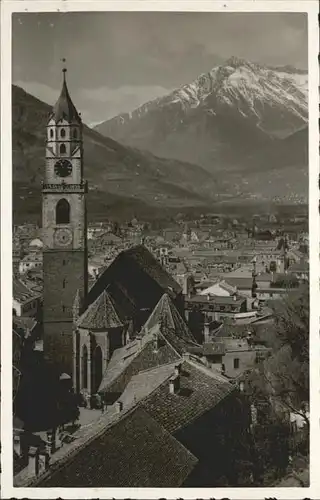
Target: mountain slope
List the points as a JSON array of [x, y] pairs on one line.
[[227, 120], [120, 178]]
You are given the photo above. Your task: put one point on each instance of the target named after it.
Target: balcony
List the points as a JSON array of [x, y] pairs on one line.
[[64, 187]]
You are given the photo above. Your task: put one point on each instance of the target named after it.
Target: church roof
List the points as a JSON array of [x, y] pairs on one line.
[[64, 109], [164, 323], [137, 279], [101, 314], [167, 320]]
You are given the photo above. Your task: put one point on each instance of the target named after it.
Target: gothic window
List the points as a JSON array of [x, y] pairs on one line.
[[62, 212], [63, 132], [63, 149], [75, 133], [97, 368], [51, 133], [84, 367]]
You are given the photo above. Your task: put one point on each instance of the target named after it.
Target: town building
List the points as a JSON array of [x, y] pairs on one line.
[[26, 302], [32, 260]]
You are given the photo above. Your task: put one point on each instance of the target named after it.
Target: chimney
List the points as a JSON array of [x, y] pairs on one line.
[[33, 457], [119, 406], [177, 370], [206, 331], [43, 462], [17, 444], [174, 384]]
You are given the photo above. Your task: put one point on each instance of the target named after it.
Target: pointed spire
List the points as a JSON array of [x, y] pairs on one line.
[[64, 109]]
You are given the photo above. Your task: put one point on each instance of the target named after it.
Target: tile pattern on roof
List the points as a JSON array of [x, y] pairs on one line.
[[21, 292], [170, 324], [133, 358], [100, 315], [141, 255], [135, 452], [139, 276], [200, 391]]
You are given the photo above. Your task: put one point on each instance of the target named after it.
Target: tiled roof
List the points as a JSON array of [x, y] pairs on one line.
[[21, 292], [213, 348], [215, 299], [299, 267], [100, 315], [133, 358], [24, 324], [240, 283], [170, 324], [200, 390], [143, 384], [138, 276], [134, 452]]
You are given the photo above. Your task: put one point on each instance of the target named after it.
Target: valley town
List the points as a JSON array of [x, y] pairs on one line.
[[160, 313]]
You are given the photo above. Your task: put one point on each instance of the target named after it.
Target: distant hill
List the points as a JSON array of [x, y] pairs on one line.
[[122, 180], [245, 123]]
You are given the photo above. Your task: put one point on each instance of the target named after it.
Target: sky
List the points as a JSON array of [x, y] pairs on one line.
[[117, 61]]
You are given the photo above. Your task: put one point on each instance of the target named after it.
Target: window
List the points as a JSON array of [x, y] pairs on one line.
[[63, 132], [75, 133], [236, 363], [63, 149], [51, 133], [84, 367], [64, 283], [63, 308], [62, 212], [63, 262]]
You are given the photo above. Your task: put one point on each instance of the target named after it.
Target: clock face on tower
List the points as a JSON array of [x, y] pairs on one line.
[[63, 237], [63, 168]]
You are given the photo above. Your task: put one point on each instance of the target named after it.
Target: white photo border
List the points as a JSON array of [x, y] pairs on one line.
[[8, 7]]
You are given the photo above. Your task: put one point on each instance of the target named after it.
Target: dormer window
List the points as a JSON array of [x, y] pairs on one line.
[[63, 149], [63, 132]]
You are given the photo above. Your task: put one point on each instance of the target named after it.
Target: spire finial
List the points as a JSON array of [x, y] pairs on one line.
[[64, 69]]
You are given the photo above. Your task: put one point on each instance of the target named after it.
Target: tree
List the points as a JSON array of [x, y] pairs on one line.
[[284, 377], [286, 281]]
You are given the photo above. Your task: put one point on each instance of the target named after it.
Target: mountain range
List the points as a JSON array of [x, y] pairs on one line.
[[239, 121], [122, 180], [239, 131]]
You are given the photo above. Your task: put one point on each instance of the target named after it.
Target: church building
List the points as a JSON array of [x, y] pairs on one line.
[[82, 328]]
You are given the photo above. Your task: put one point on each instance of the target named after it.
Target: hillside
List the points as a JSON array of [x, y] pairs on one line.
[[122, 179], [238, 121]]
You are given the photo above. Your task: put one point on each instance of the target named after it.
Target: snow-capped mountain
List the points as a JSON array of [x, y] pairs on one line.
[[222, 119]]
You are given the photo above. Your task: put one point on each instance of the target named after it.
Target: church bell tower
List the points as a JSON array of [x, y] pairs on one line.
[[64, 229]]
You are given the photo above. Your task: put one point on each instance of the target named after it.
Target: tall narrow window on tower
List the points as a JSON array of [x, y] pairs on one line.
[[63, 149], [63, 212]]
